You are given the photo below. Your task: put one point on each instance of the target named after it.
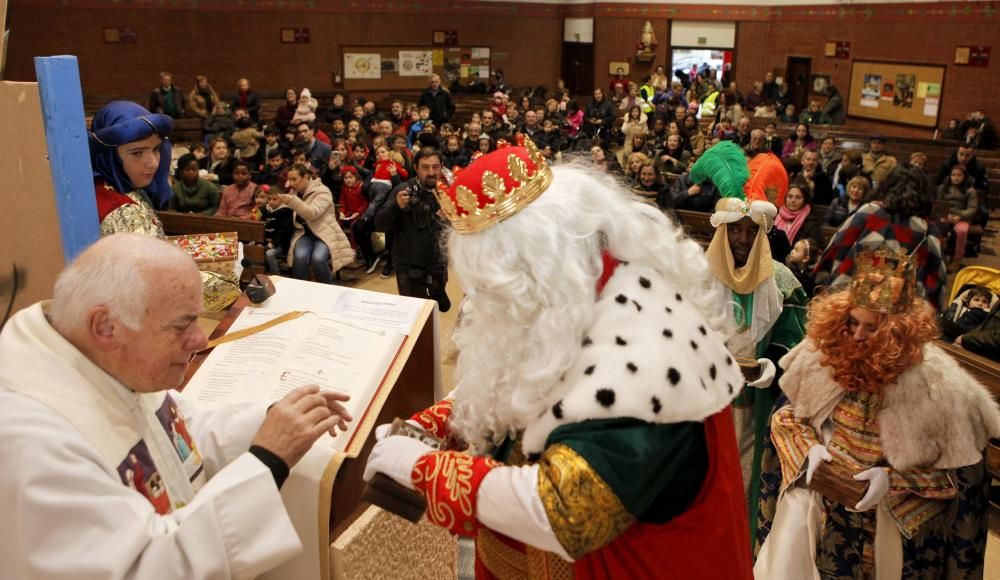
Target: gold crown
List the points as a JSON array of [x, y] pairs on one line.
[[884, 281], [484, 193]]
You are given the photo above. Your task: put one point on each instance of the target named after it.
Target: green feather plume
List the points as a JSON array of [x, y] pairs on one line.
[[726, 166]]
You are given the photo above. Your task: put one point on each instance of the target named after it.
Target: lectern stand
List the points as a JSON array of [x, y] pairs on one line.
[[341, 534]]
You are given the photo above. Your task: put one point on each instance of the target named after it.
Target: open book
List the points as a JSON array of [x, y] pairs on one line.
[[349, 340], [329, 351]]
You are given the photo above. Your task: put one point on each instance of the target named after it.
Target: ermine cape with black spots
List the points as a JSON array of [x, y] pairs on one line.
[[648, 356]]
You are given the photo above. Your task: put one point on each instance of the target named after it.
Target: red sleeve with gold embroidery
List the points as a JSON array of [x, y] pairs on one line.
[[450, 481], [434, 419]]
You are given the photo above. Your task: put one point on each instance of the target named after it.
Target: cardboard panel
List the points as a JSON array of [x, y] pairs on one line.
[[29, 223]]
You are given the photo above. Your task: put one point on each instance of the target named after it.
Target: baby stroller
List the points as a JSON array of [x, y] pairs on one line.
[[968, 283]]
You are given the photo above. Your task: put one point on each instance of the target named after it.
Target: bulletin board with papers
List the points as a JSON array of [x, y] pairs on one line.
[[908, 94], [407, 67]]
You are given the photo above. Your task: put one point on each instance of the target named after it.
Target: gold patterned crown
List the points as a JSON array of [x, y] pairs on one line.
[[494, 187], [884, 281]]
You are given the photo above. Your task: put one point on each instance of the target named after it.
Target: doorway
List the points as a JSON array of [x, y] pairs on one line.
[[687, 62], [797, 75], [578, 67]]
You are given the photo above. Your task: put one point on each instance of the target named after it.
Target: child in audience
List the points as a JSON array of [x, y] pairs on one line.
[[272, 141], [965, 316], [192, 193], [220, 123], [306, 110], [238, 198], [353, 203], [454, 155], [199, 151], [246, 138], [485, 145], [963, 203], [388, 165], [259, 202], [278, 227], [399, 145], [417, 121], [275, 170], [801, 260]]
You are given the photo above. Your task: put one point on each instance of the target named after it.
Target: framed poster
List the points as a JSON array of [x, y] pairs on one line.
[[362, 65], [416, 63], [904, 93]]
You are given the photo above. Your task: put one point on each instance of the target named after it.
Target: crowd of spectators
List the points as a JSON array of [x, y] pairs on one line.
[[648, 132]]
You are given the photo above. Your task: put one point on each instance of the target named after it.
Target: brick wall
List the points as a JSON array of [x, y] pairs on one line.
[[226, 45], [615, 39], [765, 46]]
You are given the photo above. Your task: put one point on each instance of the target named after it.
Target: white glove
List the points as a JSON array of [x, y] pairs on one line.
[[382, 431], [767, 372], [395, 456], [878, 486], [817, 453]]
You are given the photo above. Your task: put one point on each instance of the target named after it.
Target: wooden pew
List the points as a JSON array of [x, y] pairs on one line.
[[696, 225], [251, 233]]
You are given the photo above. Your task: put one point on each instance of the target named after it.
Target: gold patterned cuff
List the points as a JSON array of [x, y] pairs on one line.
[[583, 511]]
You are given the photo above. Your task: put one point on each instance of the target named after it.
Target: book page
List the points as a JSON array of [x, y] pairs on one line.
[[362, 306], [327, 351]]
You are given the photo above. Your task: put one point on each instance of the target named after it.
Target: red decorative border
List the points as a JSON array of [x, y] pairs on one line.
[[911, 12]]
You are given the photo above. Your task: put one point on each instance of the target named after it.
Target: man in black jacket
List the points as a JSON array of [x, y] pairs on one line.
[[438, 101], [168, 99], [965, 156], [411, 216]]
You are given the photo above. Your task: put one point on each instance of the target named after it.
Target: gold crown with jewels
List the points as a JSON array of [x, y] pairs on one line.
[[884, 281]]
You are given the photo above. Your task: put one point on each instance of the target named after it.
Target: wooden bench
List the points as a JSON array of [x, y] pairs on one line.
[[251, 233], [696, 225]]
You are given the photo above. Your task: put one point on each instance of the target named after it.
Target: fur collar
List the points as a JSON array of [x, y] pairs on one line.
[[934, 415], [649, 355]]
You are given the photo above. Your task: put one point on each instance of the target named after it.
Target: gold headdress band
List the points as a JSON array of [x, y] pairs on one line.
[[461, 204], [884, 281]]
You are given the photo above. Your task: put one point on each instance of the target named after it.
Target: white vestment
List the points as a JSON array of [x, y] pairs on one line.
[[73, 512]]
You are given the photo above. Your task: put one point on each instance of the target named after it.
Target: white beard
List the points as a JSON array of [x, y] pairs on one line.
[[530, 286]]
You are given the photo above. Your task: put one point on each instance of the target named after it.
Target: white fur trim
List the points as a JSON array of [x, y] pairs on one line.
[[935, 414], [668, 354]]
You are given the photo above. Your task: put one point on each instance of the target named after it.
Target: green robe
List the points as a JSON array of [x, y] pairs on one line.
[[786, 332]]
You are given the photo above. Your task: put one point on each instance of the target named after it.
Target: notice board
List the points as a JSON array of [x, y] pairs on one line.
[[909, 94], [407, 67]]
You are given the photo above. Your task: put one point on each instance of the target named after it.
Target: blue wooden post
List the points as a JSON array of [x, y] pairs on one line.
[[69, 152]]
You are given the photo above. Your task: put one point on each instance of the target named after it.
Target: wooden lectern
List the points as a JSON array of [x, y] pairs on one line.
[[419, 550]]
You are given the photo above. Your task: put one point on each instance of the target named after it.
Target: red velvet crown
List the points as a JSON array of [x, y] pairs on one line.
[[495, 186]]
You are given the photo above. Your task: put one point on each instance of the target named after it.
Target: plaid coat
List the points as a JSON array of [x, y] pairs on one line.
[[870, 227]]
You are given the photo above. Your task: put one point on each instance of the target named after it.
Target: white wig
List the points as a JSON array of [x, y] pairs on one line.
[[114, 272], [530, 283]]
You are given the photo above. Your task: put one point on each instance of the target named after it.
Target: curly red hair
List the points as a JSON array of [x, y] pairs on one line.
[[895, 346]]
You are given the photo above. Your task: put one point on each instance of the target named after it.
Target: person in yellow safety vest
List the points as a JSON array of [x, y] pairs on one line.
[[708, 105], [647, 92]]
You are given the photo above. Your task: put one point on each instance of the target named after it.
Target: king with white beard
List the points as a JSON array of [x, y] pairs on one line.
[[590, 432]]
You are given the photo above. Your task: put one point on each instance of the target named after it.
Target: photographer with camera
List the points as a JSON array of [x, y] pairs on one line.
[[411, 214]]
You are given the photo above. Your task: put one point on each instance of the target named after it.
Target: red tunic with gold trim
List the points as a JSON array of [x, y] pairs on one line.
[[632, 473]]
